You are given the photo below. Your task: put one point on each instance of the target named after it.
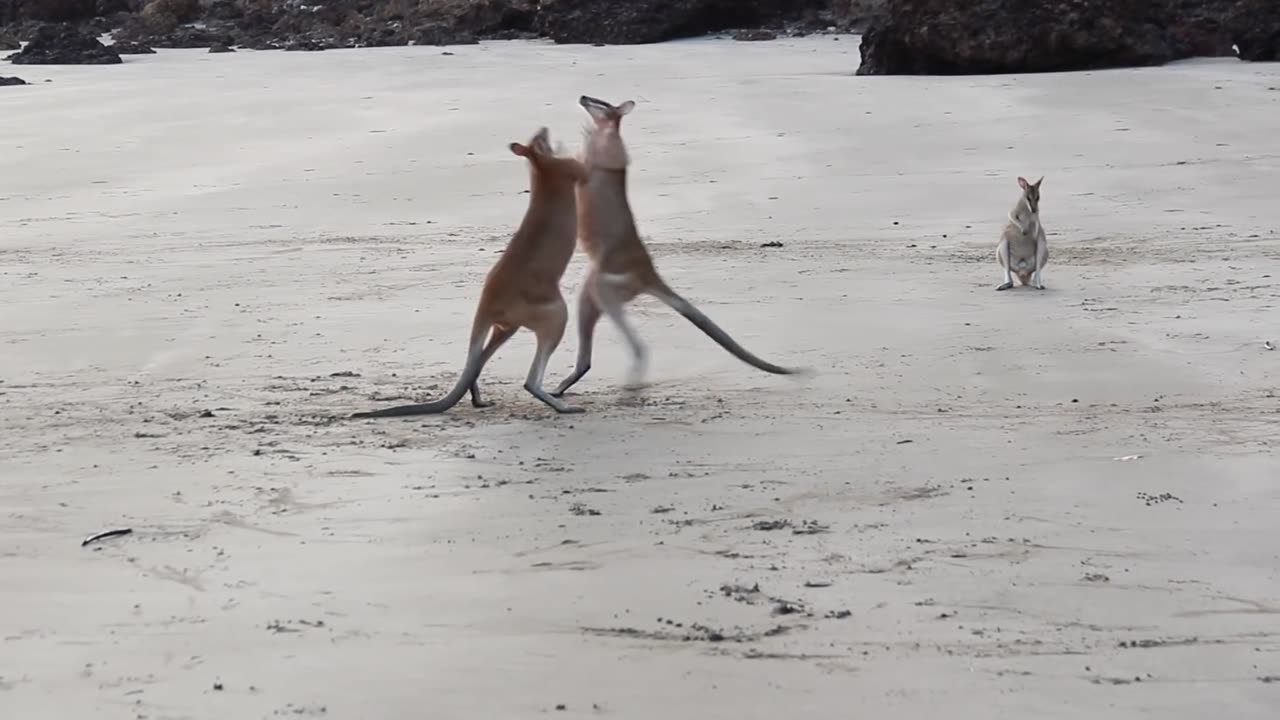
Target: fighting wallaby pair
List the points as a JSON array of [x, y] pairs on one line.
[[586, 197], [1023, 248]]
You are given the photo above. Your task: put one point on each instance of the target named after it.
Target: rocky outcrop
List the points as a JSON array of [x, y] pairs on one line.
[[947, 37], [10, 81], [902, 36], [628, 22], [323, 24], [9, 41], [1254, 26], [132, 48], [52, 11], [65, 45]]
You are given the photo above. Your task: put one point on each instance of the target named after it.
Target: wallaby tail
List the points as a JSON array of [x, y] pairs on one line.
[[470, 372], [708, 326]]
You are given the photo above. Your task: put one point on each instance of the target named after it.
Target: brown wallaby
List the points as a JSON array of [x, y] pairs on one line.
[[523, 287], [1024, 249], [621, 267]]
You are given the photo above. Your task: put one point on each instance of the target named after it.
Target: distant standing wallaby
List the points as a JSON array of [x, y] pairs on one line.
[[1024, 249], [620, 265]]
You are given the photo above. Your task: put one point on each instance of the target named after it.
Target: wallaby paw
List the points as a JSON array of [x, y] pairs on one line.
[[1004, 286]]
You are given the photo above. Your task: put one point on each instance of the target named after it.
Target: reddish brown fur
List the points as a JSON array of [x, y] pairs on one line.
[[522, 289]]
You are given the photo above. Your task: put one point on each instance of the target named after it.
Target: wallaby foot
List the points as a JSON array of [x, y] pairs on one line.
[[548, 325], [497, 338], [1004, 285], [555, 404]]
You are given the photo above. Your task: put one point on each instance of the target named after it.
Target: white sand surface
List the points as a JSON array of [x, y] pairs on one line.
[[282, 238]]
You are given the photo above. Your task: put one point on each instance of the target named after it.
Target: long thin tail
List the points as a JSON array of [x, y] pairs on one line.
[[470, 372], [708, 326]]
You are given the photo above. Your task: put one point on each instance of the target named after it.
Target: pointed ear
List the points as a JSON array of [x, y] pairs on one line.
[[518, 149], [626, 107], [1039, 181], [1022, 182]]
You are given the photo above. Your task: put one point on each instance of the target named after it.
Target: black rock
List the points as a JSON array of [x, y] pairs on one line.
[[9, 41], [1254, 27], [132, 48], [627, 22], [54, 11], [756, 35], [948, 37], [10, 81], [65, 45], [443, 34], [215, 49], [309, 45]]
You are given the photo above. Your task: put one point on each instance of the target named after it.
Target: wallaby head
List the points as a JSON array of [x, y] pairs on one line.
[[604, 147], [1031, 193], [544, 162]]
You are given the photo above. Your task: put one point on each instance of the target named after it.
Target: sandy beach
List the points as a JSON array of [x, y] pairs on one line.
[[1054, 504]]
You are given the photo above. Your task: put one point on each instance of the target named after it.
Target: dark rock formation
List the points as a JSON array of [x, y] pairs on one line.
[[65, 45], [9, 41], [216, 49], [627, 22], [54, 11], [322, 24], [1254, 27], [948, 37], [163, 31], [756, 35], [945, 37], [132, 48], [906, 36], [10, 81]]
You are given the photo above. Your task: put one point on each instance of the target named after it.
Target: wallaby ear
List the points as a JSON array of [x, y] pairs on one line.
[[1039, 181], [626, 107], [518, 149], [1022, 182]]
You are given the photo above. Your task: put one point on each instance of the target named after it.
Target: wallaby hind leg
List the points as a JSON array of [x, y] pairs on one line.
[[548, 325], [612, 298], [1042, 259], [1002, 254], [497, 339], [588, 317]]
